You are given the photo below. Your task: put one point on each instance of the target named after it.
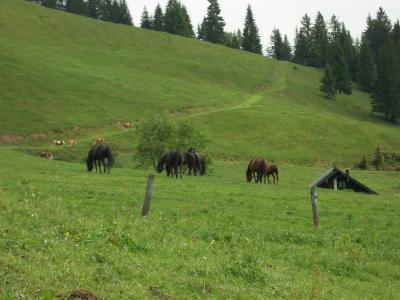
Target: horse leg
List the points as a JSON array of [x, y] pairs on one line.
[[104, 166], [269, 182]]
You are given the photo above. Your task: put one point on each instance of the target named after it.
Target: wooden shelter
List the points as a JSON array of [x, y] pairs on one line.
[[339, 180]]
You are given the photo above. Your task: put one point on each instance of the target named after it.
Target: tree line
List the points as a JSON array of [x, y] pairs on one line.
[[175, 20], [373, 62], [115, 11]]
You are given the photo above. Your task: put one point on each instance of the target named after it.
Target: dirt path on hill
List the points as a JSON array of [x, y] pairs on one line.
[[281, 84]]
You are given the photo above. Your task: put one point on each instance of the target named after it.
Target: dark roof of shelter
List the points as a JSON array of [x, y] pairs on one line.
[[333, 171]]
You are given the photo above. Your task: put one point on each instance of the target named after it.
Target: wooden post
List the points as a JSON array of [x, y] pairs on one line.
[[147, 197], [314, 206]]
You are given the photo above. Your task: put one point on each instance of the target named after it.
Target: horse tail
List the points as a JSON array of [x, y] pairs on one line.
[[203, 166], [277, 176]]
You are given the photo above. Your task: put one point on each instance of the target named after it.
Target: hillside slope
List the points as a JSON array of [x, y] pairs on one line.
[[61, 71]]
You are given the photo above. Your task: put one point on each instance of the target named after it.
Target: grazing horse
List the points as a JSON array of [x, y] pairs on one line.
[[271, 170], [173, 162], [201, 164], [200, 161], [100, 153], [256, 170], [190, 160]]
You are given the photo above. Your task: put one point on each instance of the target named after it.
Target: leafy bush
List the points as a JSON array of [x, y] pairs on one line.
[[158, 134]]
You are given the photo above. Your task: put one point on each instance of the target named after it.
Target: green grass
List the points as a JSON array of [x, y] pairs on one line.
[[212, 237], [67, 77]]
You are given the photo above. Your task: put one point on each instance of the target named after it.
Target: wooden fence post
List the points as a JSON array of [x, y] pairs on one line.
[[147, 197], [314, 206]]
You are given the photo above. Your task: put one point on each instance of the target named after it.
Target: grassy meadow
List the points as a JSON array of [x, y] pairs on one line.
[[215, 237]]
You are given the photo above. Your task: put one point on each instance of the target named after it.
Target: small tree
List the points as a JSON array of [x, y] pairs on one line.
[[156, 136], [363, 165], [328, 82], [188, 135]]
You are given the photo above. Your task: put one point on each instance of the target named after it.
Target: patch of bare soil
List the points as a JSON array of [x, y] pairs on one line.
[[80, 294]]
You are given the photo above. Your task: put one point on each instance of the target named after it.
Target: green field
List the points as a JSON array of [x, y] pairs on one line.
[[67, 77]]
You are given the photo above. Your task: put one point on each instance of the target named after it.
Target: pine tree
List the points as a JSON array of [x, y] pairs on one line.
[[319, 42], [146, 21], [76, 7], [177, 20], [213, 24], [275, 50], [386, 96], [171, 17], [302, 52], [187, 29], [286, 49], [236, 41], [49, 3], [377, 32], [396, 32], [328, 82], [124, 13], [366, 73], [251, 38], [341, 70], [106, 8], [158, 19], [94, 8]]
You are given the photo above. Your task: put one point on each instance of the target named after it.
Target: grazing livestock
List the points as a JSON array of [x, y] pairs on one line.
[[190, 160], [200, 162], [58, 143], [72, 142], [256, 170], [271, 170], [47, 155], [98, 154], [127, 125], [98, 141], [172, 162]]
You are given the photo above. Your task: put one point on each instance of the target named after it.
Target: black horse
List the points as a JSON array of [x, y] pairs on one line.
[[200, 162], [100, 153], [190, 160], [172, 162]]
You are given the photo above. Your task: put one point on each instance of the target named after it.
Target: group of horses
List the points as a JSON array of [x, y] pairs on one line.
[[174, 162], [259, 169]]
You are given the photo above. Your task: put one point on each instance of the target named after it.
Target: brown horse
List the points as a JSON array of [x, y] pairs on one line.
[[256, 169], [271, 170]]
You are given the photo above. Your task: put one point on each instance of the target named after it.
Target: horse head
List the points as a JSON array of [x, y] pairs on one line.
[[161, 163], [249, 177], [89, 164]]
